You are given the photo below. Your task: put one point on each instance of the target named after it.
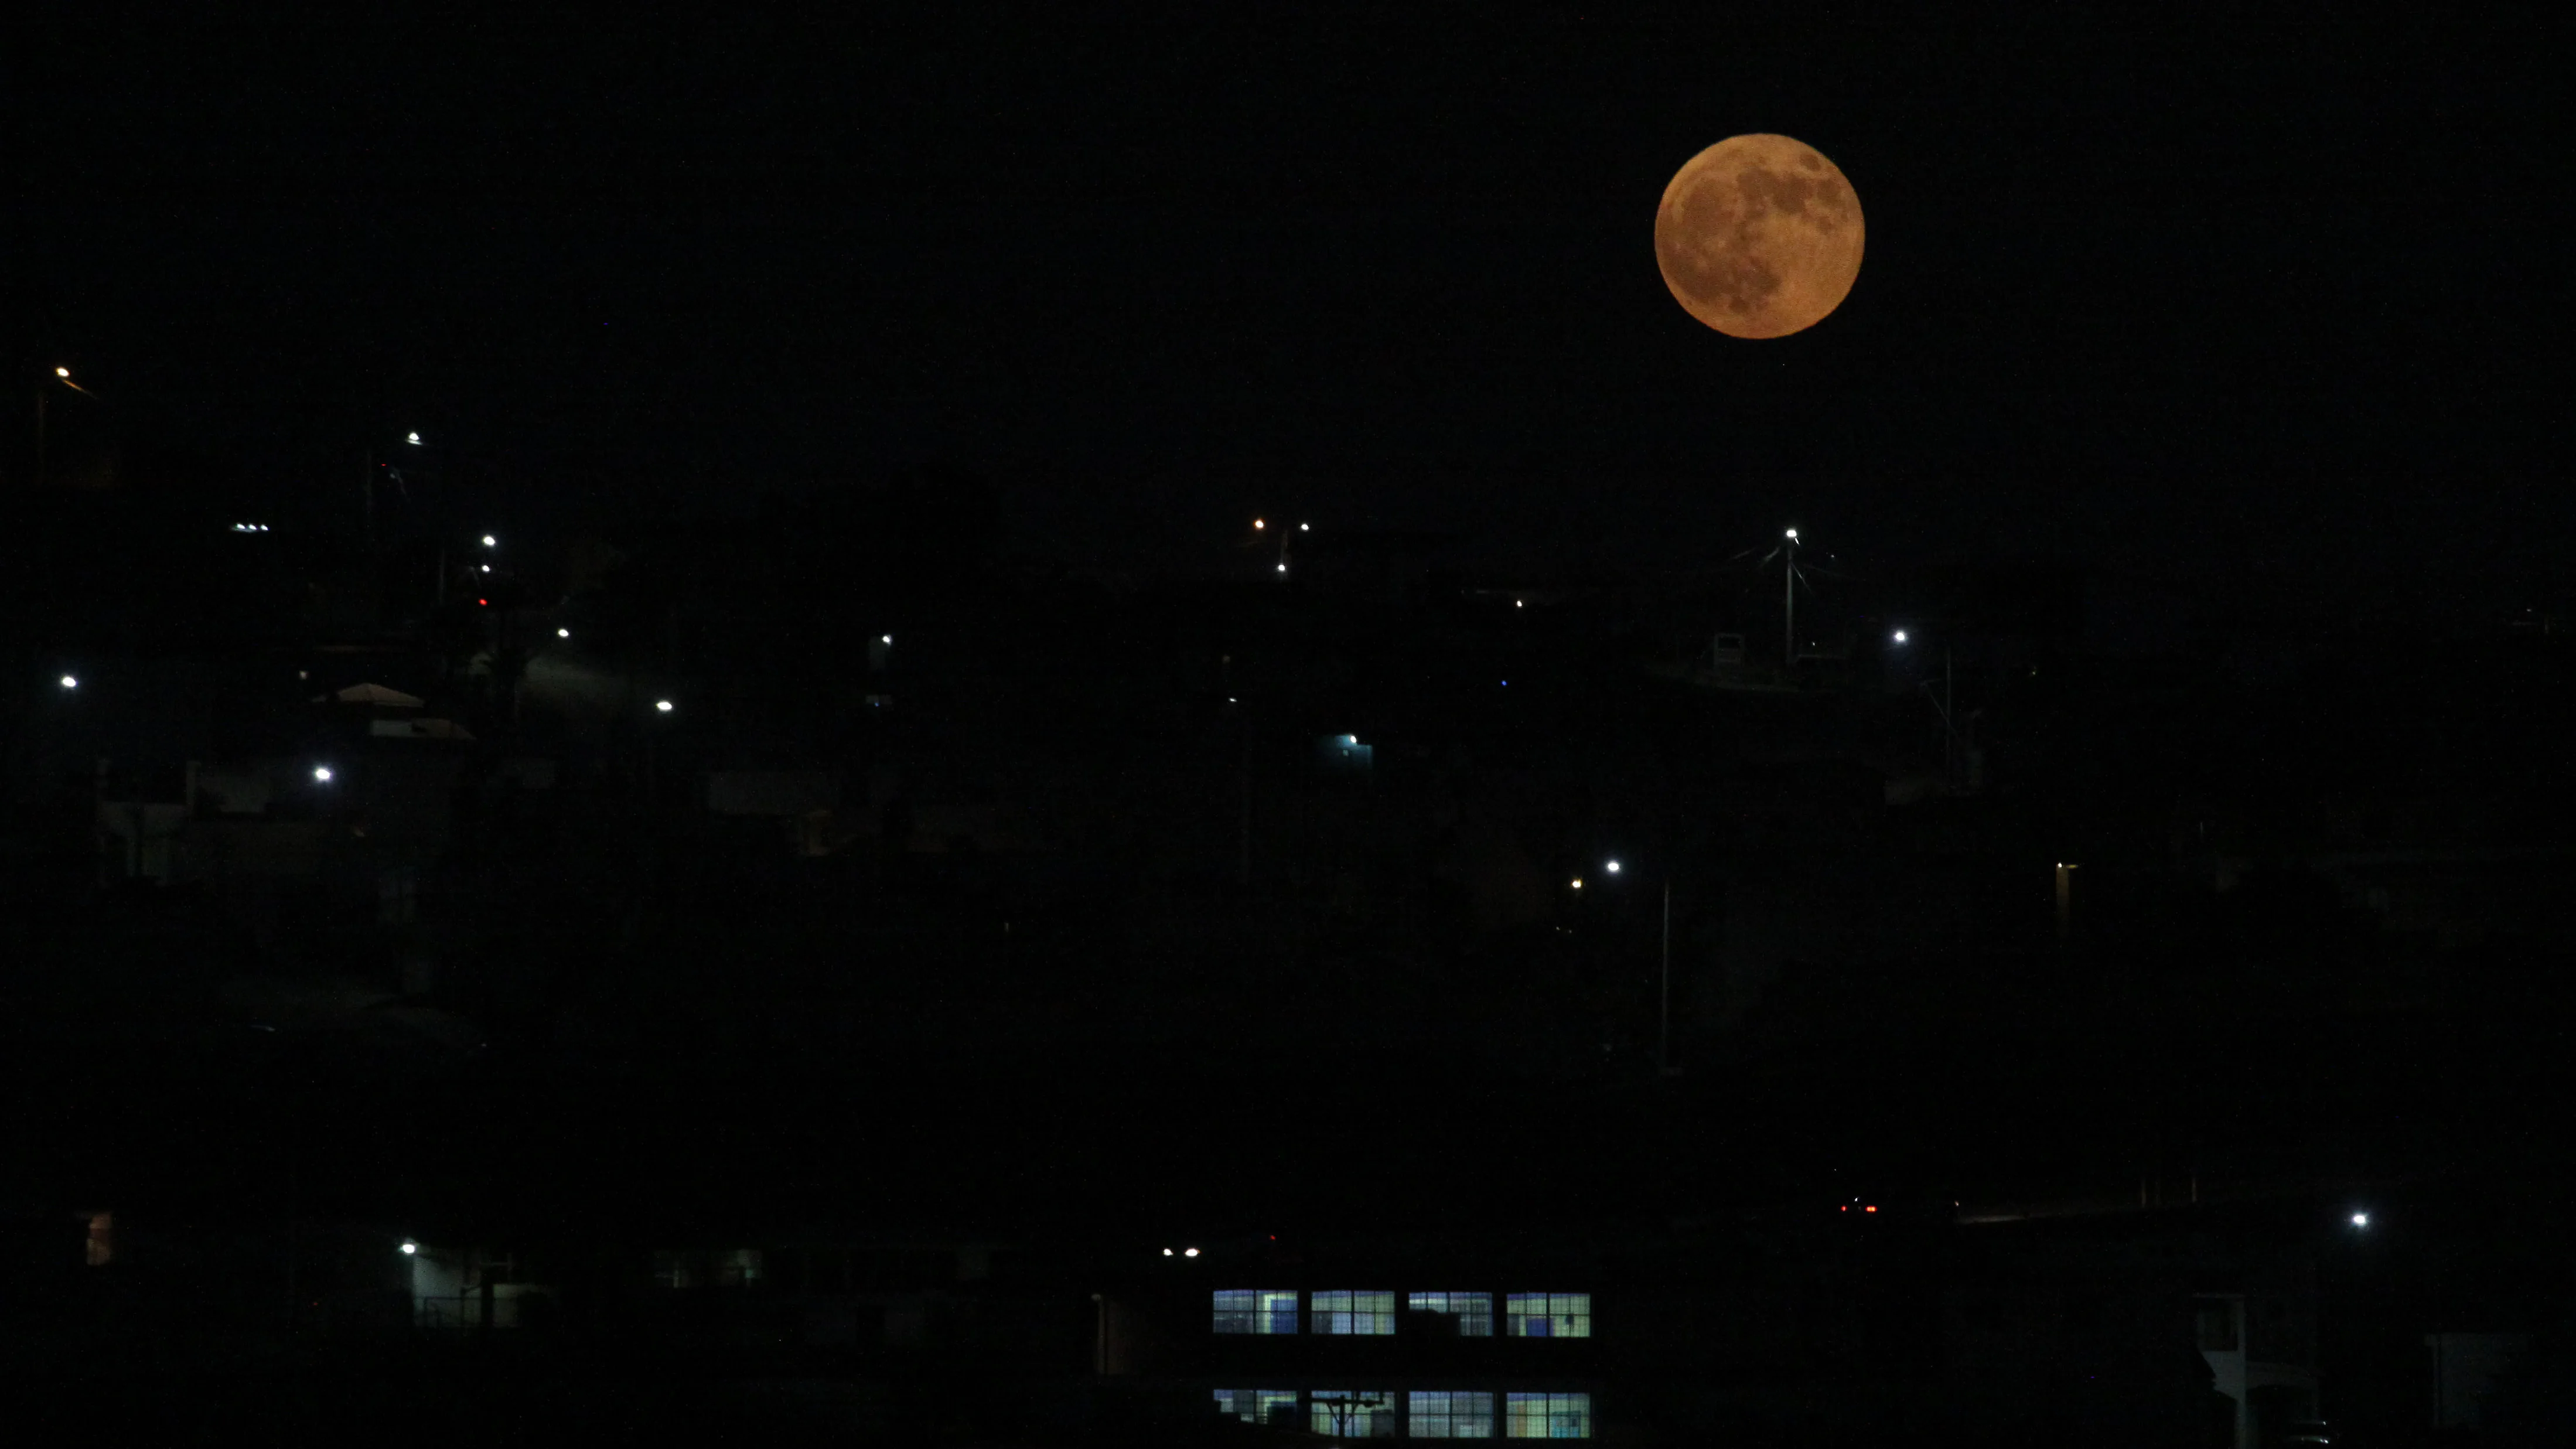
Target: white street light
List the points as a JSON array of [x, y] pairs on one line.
[[885, 638], [1283, 568], [1793, 533], [662, 705], [414, 440], [70, 681], [409, 1247], [1612, 867], [63, 372], [1167, 1252], [1305, 528], [563, 633], [490, 542], [1189, 1252], [2361, 1220], [1578, 882], [1258, 524], [1900, 636], [322, 774]]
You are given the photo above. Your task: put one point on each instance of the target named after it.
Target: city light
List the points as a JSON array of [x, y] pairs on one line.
[[563, 633], [487, 568], [1283, 568], [1793, 535], [1578, 882], [409, 1247], [63, 372], [1612, 867], [1900, 636], [1189, 1252], [490, 542], [322, 774], [414, 440], [2361, 1220], [1305, 528], [1167, 1252], [1257, 523], [885, 638], [69, 681], [663, 705]]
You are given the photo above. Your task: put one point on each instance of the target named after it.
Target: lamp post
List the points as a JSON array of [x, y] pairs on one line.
[[44, 397], [1949, 726], [1664, 973]]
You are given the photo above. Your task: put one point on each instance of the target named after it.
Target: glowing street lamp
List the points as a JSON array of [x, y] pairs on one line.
[[662, 706], [1664, 1005], [563, 633], [69, 681], [321, 774], [412, 438], [490, 542], [409, 1247]]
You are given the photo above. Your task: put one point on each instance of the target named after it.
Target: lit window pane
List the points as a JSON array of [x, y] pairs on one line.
[[1548, 1416], [1548, 1315], [1450, 1414], [1354, 1310], [1260, 1406], [1351, 1414], [1473, 1311], [1256, 1310]]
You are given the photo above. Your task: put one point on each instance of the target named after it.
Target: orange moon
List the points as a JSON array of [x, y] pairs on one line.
[[1759, 236]]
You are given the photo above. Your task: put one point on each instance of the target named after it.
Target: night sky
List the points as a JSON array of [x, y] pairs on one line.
[[2269, 314]]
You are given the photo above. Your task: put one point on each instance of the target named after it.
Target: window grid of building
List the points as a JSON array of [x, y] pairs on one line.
[[1548, 1416], [1256, 1310], [1548, 1315], [1449, 1414], [1474, 1311], [1259, 1406], [1351, 1414], [1354, 1310]]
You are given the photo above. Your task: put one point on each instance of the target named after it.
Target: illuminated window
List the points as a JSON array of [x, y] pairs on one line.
[[1351, 1413], [1345, 1310], [1256, 1310], [1450, 1414], [731, 1268], [1548, 1315], [1260, 1406], [1473, 1311], [101, 1249], [1548, 1416]]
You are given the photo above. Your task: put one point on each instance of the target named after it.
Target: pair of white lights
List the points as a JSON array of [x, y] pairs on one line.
[[1185, 1252]]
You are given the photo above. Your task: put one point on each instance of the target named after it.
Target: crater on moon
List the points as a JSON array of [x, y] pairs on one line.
[[1759, 236]]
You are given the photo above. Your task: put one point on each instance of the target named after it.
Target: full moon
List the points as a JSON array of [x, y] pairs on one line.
[[1759, 236]]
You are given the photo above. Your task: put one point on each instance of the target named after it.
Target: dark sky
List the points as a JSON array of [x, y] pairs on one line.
[[2218, 301]]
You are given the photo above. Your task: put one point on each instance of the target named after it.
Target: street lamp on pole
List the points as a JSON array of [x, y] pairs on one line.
[[1664, 973], [1949, 725]]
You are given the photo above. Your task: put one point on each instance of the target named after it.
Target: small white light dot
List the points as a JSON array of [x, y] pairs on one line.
[[490, 542], [663, 705], [409, 1247], [1189, 1252], [2361, 1220], [322, 773], [563, 633], [71, 681]]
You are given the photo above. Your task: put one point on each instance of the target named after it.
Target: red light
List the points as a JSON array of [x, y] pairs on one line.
[[485, 603], [1846, 1207], [1871, 1208]]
